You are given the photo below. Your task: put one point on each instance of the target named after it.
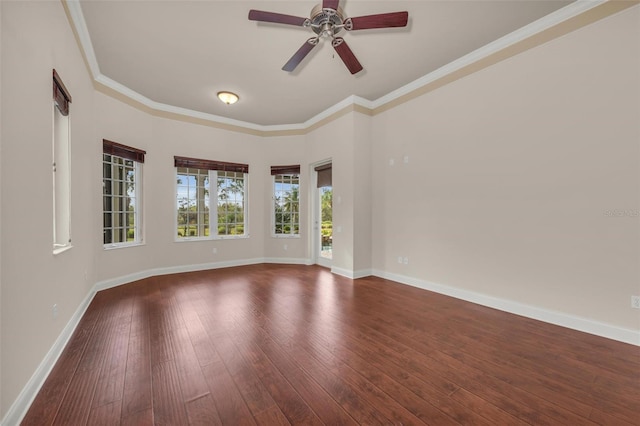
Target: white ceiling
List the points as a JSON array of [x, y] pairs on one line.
[[181, 53]]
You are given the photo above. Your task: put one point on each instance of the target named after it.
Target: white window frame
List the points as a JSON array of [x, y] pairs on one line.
[[273, 208], [138, 215], [213, 210]]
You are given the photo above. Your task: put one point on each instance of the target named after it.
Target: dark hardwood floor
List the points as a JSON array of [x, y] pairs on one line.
[[278, 345]]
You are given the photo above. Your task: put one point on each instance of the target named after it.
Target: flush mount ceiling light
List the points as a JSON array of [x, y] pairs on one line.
[[228, 97]]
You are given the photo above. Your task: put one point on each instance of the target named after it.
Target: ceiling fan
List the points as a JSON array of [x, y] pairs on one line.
[[327, 20]]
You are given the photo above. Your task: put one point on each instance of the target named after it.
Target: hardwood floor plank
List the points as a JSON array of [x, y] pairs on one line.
[[317, 398], [289, 401], [292, 344], [46, 404], [140, 418], [110, 386], [334, 352], [76, 404], [254, 393], [190, 374], [229, 404], [272, 417], [202, 411], [105, 414], [461, 340], [168, 402], [137, 394]]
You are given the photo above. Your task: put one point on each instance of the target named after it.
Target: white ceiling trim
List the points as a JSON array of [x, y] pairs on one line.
[[75, 12], [555, 18]]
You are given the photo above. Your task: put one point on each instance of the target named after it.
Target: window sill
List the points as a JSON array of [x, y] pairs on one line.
[[286, 236], [216, 238], [121, 245], [60, 250]]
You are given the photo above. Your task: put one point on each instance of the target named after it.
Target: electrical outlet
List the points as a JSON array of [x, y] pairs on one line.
[[215, 250], [399, 259], [286, 247], [405, 260], [54, 311], [635, 302]]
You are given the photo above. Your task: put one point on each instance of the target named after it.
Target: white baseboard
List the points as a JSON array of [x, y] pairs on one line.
[[347, 273], [125, 279], [288, 260], [19, 408], [342, 272], [553, 317]]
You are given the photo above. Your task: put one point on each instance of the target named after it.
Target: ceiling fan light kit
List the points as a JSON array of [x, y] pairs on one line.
[[328, 20]]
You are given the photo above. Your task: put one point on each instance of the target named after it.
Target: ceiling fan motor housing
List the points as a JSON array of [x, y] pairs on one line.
[[326, 21]]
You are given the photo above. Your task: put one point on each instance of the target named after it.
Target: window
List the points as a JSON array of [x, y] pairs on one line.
[[231, 202], [121, 200], [61, 166], [286, 200], [193, 202], [195, 220]]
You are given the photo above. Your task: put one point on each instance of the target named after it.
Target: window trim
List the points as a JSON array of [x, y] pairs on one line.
[[245, 201], [61, 96], [283, 170], [197, 163], [123, 151], [190, 163]]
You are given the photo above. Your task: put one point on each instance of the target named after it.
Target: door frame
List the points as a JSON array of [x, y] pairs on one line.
[[316, 219]]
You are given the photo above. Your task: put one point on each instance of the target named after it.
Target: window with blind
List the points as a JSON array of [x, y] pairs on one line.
[[61, 166], [286, 201], [122, 194], [195, 217]]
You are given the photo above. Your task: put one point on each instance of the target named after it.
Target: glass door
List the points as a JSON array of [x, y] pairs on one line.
[[323, 215], [326, 222]]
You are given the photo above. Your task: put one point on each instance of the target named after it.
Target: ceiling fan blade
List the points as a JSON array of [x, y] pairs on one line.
[[346, 55], [382, 20], [330, 4], [300, 54], [278, 18]]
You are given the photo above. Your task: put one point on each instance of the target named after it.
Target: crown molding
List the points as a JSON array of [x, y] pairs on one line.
[[555, 18], [351, 103]]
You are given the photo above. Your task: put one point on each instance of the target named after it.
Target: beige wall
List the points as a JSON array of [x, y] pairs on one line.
[[364, 236], [162, 139], [334, 141], [36, 37], [282, 151], [511, 172], [1, 411]]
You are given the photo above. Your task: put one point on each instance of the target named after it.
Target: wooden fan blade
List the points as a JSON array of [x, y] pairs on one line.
[[382, 20], [300, 54], [278, 18], [346, 55], [330, 4]]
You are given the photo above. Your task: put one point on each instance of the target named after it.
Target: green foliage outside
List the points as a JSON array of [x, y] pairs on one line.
[[193, 220], [326, 229], [287, 212]]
